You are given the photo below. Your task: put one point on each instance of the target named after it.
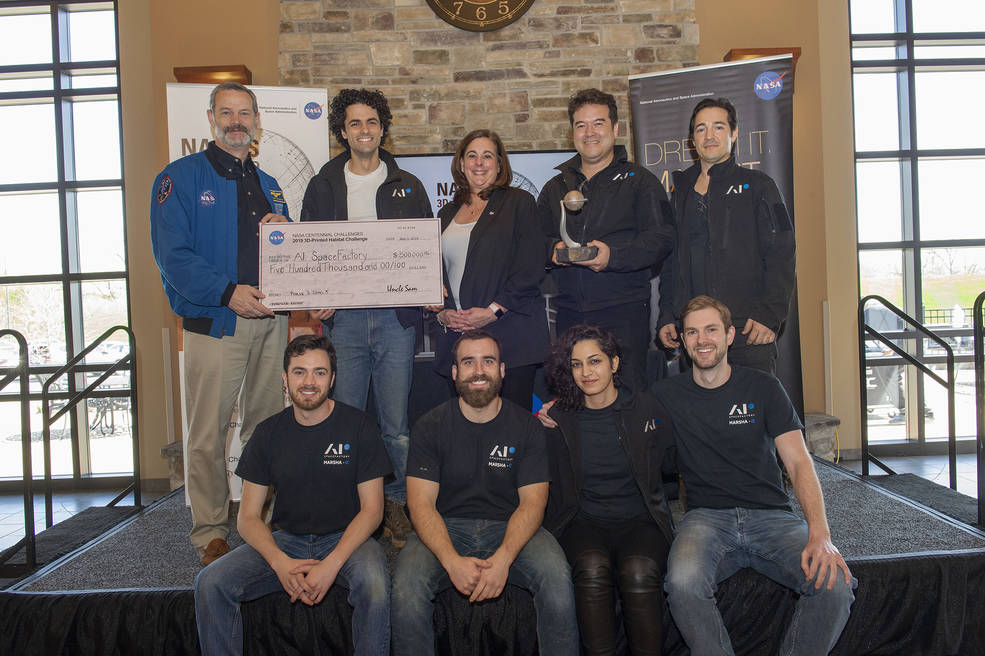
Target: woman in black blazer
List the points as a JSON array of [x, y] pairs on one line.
[[493, 255]]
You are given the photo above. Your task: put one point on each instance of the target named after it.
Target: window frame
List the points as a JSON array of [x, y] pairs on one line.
[[907, 65], [70, 278]]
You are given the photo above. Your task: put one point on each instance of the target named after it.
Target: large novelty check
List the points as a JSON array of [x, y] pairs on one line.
[[350, 264]]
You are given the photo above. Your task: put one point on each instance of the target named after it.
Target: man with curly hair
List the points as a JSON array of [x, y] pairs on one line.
[[364, 183]]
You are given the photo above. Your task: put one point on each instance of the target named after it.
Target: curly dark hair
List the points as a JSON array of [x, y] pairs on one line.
[[558, 365], [502, 180], [592, 97], [346, 97]]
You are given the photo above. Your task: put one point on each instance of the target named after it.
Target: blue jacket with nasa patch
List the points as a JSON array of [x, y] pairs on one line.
[[646, 434], [195, 238], [628, 210], [401, 196]]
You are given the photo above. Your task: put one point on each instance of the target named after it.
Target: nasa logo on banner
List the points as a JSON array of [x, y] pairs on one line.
[[313, 110], [768, 85]]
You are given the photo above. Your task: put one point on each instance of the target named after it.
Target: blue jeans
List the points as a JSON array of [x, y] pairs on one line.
[[540, 567], [712, 545], [244, 575], [371, 344]]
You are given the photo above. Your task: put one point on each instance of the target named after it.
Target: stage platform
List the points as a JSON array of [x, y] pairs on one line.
[[921, 591]]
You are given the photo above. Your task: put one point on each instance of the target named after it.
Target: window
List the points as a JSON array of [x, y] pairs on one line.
[[918, 72], [63, 266]]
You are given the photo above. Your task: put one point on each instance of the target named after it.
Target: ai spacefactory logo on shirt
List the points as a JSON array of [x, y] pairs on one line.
[[742, 413]]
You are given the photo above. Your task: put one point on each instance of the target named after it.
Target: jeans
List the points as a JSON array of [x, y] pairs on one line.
[[713, 544], [371, 344], [244, 575], [540, 567], [628, 558]]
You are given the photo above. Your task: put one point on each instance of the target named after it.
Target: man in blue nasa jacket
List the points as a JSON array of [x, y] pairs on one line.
[[205, 214]]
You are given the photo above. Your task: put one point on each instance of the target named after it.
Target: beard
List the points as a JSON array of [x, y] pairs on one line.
[[718, 356], [479, 398], [307, 403], [236, 135]]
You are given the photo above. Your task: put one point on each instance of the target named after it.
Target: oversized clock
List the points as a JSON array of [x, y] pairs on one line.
[[479, 15]]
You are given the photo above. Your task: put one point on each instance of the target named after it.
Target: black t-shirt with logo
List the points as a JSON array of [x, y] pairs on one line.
[[725, 447], [478, 466], [315, 468]]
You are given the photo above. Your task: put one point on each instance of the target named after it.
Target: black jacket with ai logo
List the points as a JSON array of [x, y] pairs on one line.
[[751, 257]]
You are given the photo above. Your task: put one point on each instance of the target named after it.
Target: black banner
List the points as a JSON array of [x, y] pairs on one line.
[[762, 92]]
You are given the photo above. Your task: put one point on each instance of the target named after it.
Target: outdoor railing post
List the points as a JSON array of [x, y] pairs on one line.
[[979, 342], [866, 330], [863, 382], [27, 469]]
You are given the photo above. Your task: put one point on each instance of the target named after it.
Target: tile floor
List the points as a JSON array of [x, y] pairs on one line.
[[933, 468], [64, 505]]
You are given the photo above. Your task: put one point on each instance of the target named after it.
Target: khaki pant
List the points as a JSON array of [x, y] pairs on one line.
[[246, 366]]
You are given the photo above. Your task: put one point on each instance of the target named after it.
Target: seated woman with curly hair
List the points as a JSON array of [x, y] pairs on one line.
[[610, 447]]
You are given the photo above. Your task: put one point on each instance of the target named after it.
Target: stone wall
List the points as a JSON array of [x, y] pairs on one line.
[[443, 82]]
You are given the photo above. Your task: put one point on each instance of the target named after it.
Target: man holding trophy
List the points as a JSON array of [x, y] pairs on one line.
[[609, 222]]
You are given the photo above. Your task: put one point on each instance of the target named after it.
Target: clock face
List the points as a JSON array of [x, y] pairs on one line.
[[479, 15]]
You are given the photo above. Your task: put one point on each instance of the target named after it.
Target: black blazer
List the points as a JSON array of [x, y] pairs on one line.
[[505, 264]]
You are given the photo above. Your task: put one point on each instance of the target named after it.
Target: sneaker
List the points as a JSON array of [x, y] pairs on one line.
[[396, 526]]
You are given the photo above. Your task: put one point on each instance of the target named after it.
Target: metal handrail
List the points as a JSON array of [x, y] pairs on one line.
[[48, 417], [979, 335], [28, 542], [865, 329]]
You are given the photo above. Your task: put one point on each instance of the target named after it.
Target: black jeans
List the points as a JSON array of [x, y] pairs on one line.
[[630, 557]]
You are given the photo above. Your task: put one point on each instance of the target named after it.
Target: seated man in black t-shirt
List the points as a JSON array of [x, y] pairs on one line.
[[477, 480], [729, 424], [327, 461]]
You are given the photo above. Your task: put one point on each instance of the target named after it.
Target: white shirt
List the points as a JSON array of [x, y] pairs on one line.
[[454, 249], [361, 192]]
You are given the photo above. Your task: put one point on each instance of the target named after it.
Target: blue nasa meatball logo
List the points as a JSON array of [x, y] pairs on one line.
[[313, 110], [768, 85], [276, 237]]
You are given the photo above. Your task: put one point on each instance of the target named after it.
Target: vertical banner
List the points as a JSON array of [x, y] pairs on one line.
[[293, 145], [762, 92]]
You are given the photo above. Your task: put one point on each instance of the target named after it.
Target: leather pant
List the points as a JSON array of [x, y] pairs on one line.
[[625, 557]]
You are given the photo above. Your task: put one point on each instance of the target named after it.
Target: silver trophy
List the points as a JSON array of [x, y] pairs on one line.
[[575, 252]]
